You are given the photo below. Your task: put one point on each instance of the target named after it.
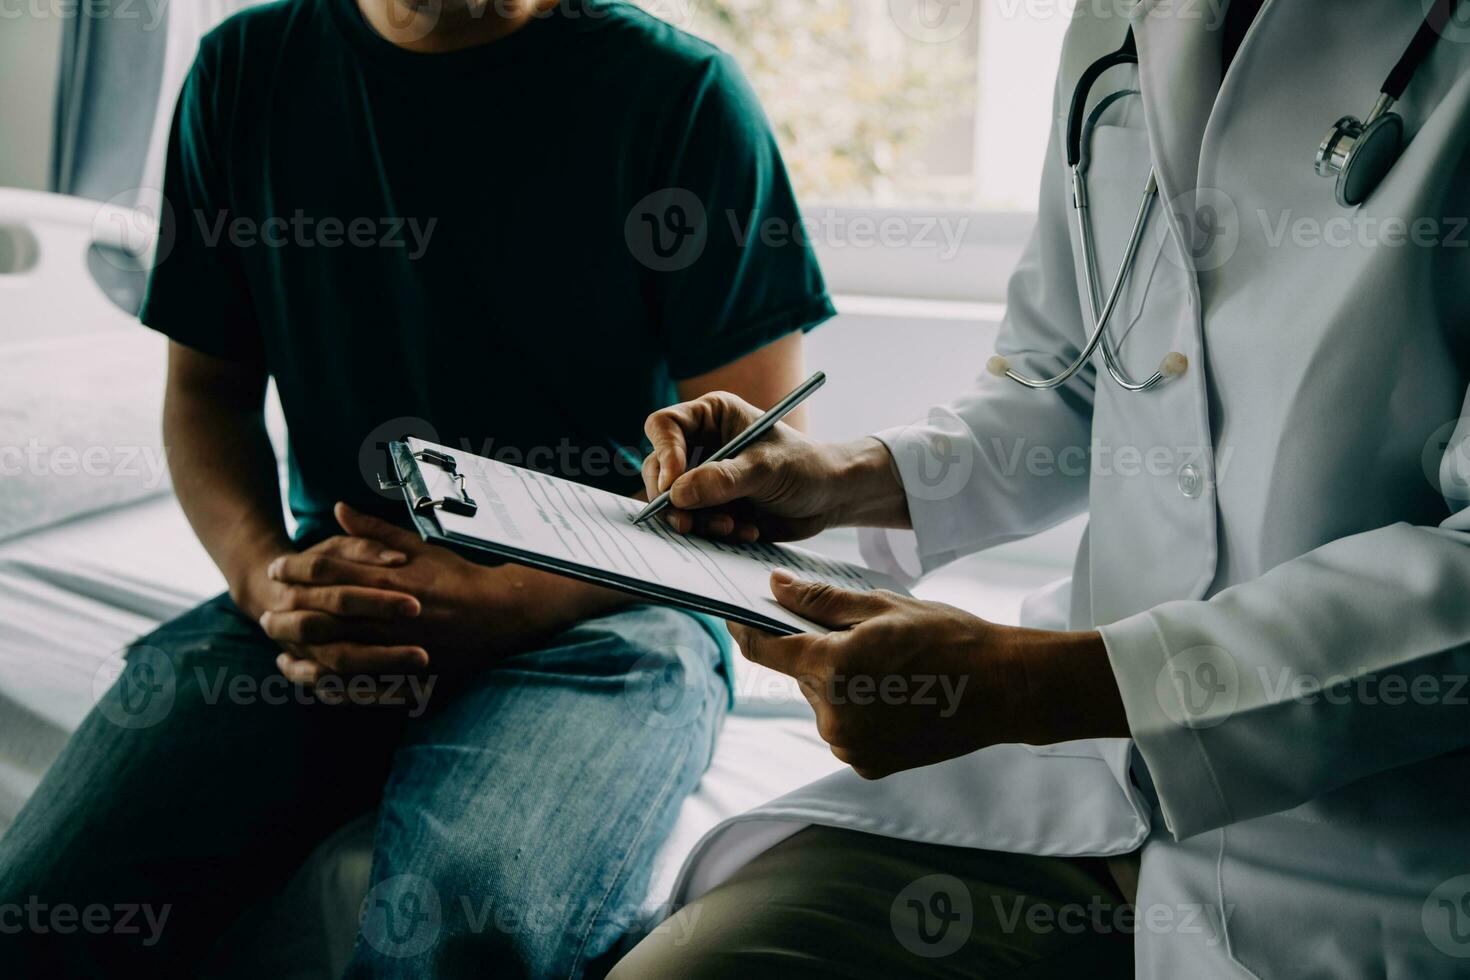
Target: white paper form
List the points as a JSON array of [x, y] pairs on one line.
[[553, 523]]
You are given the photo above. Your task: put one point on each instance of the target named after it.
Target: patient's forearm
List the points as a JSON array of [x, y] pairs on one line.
[[225, 477], [223, 469]]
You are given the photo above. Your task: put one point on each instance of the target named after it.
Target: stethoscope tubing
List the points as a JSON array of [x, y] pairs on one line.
[[1079, 133], [1100, 321], [1111, 360]]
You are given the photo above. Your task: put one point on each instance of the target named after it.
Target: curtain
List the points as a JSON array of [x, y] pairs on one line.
[[122, 65]]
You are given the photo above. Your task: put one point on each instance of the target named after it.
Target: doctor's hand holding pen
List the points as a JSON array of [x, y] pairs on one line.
[[900, 682], [783, 487]]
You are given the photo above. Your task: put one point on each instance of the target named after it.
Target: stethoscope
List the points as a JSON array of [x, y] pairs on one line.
[[1358, 153]]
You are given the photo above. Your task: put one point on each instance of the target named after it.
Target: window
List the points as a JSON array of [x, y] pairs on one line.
[[897, 103]]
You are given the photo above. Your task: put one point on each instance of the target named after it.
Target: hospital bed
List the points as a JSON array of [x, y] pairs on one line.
[[95, 551]]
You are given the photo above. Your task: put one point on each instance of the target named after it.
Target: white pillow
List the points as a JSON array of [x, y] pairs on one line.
[[80, 426]]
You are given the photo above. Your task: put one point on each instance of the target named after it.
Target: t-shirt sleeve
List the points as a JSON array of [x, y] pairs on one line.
[[730, 265], [197, 292]]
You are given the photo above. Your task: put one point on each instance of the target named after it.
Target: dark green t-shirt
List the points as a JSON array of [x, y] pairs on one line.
[[514, 249]]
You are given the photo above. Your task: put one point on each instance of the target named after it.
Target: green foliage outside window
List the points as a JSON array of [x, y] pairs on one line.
[[857, 105]]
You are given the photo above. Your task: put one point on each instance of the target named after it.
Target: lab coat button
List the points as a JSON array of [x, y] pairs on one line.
[[1190, 481]]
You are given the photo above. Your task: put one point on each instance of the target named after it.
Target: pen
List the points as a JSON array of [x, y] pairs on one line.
[[758, 428]]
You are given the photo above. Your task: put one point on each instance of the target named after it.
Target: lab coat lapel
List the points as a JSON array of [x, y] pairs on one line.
[[1179, 76]]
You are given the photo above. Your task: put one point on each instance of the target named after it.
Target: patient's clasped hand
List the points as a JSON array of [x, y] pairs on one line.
[[378, 598]]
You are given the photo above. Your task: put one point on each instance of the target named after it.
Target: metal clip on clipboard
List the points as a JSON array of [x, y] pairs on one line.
[[411, 481]]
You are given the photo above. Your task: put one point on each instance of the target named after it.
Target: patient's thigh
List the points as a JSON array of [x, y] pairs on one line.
[[518, 830], [199, 781]]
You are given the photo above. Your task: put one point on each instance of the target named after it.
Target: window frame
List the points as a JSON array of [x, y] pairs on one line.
[[857, 261]]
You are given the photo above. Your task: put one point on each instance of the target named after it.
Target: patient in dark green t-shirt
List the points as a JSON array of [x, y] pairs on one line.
[[519, 229]]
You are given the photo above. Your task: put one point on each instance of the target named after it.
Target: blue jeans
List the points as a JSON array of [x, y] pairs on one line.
[[519, 812]]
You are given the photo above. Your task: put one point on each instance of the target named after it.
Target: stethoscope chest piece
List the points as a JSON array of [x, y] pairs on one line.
[[1360, 154]]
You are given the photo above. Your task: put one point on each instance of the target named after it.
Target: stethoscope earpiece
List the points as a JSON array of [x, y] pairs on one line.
[[1360, 154]]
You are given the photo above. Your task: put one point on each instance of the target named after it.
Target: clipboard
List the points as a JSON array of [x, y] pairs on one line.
[[410, 464]]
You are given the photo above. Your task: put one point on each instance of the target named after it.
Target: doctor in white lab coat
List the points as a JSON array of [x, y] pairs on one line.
[[1259, 684]]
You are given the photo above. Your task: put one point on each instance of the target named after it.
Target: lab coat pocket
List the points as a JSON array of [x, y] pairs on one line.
[[1336, 902], [1369, 878], [1116, 177]]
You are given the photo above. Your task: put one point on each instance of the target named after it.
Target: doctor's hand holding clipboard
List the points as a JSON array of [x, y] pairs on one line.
[[900, 683]]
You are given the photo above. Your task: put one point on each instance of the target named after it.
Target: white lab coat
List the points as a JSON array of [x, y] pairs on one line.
[[1321, 534]]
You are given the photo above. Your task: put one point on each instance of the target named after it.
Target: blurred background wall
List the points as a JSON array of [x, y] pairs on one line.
[[30, 49]]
